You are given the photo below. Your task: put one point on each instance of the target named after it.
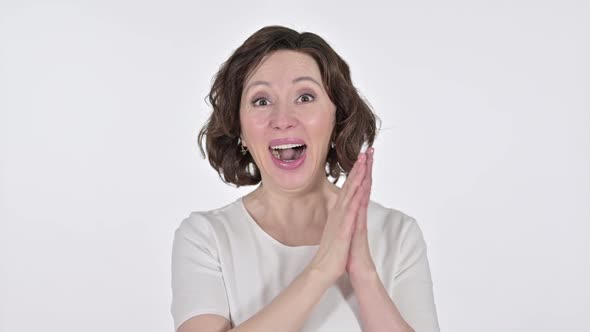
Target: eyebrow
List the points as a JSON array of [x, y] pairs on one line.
[[298, 79]]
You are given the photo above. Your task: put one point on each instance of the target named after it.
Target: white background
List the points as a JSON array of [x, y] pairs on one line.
[[485, 141]]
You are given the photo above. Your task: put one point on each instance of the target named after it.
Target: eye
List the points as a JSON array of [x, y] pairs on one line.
[[264, 100], [306, 97]]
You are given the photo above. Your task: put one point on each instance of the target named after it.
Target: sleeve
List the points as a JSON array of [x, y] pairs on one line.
[[197, 281], [412, 284]]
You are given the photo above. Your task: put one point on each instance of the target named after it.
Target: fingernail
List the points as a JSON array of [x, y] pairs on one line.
[[364, 147]]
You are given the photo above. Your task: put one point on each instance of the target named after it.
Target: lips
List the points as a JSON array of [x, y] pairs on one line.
[[289, 165], [288, 153]]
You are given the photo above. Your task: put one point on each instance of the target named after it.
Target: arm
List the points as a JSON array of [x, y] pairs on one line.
[[289, 310], [412, 290], [412, 287], [377, 310]]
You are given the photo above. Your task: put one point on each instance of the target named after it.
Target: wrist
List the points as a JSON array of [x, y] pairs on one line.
[[365, 279], [319, 276]]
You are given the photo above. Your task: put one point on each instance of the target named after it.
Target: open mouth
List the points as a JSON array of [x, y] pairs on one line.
[[288, 152]]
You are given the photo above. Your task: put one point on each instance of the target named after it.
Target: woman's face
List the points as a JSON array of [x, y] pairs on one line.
[[286, 120]]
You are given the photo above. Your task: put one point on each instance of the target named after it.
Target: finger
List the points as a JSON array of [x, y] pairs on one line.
[[352, 197], [357, 209], [368, 180], [357, 197], [355, 180], [361, 221], [364, 192], [352, 212], [354, 171], [370, 160], [350, 185]]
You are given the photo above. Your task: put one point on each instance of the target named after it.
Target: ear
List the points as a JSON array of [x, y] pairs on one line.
[[242, 141]]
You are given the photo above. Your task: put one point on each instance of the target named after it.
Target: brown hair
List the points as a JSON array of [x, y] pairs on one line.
[[355, 121]]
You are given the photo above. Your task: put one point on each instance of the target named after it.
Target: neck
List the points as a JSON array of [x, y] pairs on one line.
[[293, 209]]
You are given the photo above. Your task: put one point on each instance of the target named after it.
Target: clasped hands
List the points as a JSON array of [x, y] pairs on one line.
[[344, 245], [360, 265]]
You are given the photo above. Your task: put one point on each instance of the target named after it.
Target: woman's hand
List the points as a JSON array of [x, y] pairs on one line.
[[360, 265], [332, 255]]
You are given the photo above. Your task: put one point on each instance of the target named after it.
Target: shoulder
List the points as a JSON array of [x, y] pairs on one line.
[[378, 213], [201, 227], [397, 240], [202, 221], [395, 224]]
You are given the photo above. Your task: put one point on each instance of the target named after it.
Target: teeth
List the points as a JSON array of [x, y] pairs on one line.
[[286, 146]]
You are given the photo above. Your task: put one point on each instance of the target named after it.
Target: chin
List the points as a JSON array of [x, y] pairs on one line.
[[302, 178]]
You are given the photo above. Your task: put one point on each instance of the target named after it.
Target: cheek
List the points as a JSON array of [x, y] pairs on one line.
[[321, 122], [252, 124]]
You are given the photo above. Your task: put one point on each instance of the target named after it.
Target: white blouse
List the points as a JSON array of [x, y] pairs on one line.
[[223, 263]]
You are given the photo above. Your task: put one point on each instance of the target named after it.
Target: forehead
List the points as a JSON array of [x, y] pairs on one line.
[[281, 67]]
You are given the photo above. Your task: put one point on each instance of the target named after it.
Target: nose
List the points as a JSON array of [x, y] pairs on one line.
[[282, 119]]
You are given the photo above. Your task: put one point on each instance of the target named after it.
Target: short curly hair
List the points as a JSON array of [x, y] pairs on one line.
[[355, 122]]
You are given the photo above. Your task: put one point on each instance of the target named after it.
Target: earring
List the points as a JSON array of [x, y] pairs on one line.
[[332, 145], [243, 149]]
